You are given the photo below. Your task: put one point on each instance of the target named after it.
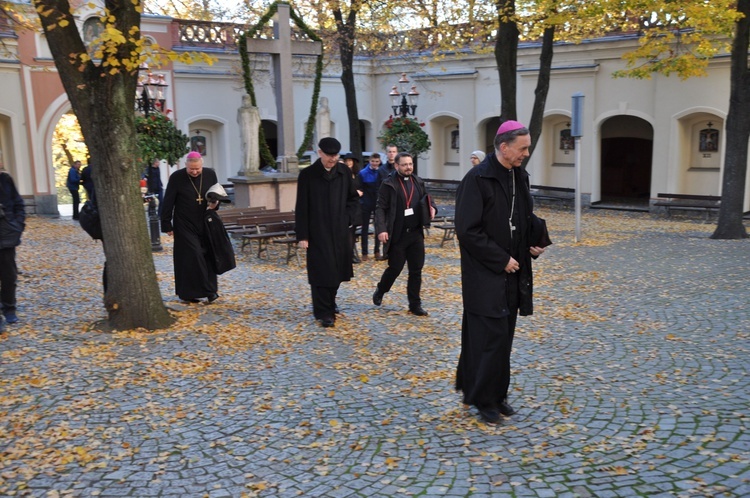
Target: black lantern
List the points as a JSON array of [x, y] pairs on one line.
[[404, 100]]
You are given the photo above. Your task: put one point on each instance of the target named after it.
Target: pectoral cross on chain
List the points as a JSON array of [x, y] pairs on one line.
[[512, 227], [200, 199]]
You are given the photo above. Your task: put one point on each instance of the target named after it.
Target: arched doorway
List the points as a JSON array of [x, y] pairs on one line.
[[445, 153], [67, 147], [626, 160]]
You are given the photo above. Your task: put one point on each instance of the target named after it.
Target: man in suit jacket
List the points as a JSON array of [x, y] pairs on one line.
[[399, 226]]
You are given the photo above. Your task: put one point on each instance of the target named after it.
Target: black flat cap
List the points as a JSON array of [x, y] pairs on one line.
[[330, 146]]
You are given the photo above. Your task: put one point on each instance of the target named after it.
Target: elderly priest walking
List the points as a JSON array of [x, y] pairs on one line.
[[326, 207], [499, 235], [183, 215]]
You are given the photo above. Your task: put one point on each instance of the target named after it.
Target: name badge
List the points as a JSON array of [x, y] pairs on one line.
[[408, 212]]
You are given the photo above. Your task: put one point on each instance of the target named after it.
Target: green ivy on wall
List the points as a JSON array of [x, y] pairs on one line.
[[265, 152]]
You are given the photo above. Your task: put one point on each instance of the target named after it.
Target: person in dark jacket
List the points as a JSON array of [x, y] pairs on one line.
[[494, 218], [12, 224], [389, 166], [87, 181], [399, 226], [74, 184], [370, 179], [352, 162], [325, 210], [184, 216], [154, 184]]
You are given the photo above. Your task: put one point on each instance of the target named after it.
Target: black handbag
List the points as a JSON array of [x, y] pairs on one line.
[[90, 221], [539, 234], [424, 210]]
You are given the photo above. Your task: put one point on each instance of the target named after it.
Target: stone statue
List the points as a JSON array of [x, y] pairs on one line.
[[323, 120], [248, 118]]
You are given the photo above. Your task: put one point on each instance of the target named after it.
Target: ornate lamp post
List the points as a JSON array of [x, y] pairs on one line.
[[399, 95], [150, 97], [150, 92]]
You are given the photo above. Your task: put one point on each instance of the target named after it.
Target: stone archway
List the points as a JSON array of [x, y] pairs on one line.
[[445, 152], [626, 159]]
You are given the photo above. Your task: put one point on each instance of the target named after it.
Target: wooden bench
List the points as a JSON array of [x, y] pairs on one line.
[[449, 230], [437, 186], [689, 202], [266, 233], [547, 193], [248, 223], [291, 246], [230, 216]]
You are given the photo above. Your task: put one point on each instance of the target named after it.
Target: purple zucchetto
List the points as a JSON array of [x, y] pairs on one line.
[[194, 155], [509, 125]]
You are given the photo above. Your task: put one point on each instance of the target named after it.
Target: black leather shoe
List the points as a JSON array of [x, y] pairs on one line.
[[506, 409], [191, 301], [327, 322], [377, 298], [213, 297], [355, 259], [419, 311], [490, 415]]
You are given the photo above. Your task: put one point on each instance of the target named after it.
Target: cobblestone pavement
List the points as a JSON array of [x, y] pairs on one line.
[[631, 379]]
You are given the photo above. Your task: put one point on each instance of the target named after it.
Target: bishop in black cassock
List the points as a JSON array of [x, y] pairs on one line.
[[183, 215]]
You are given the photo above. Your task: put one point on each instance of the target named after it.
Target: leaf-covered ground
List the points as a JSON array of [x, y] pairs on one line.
[[630, 379]]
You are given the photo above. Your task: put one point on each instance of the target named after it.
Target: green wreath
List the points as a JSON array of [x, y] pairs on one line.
[[265, 152]]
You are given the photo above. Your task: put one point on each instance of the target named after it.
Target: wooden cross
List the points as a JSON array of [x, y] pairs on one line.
[[281, 48]]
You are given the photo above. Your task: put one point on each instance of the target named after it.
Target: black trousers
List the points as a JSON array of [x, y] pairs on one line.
[[76, 202], [324, 302], [483, 372], [8, 278], [367, 212], [409, 249]]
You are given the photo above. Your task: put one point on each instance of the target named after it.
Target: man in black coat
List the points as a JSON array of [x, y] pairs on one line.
[[389, 166], [494, 219], [183, 217], [12, 224], [325, 210], [399, 225]]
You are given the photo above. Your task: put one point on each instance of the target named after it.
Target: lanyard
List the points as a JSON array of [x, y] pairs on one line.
[[411, 193]]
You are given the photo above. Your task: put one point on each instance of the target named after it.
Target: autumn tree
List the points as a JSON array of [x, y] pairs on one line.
[[101, 90], [346, 27], [681, 38]]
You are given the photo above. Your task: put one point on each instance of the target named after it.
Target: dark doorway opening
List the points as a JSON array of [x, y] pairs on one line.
[[272, 140], [626, 169]]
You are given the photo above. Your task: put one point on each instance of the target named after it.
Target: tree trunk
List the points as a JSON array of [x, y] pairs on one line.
[[346, 32], [730, 224], [542, 89], [506, 48], [104, 105]]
